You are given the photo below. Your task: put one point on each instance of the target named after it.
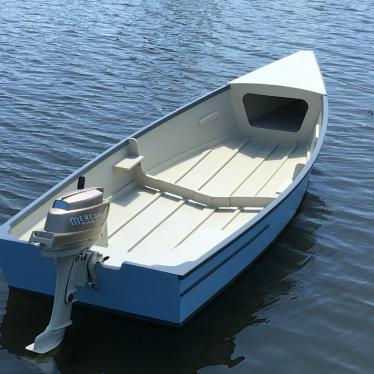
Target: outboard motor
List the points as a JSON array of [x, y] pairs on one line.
[[73, 225]]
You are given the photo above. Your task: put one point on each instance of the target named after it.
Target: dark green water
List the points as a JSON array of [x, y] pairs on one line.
[[78, 76]]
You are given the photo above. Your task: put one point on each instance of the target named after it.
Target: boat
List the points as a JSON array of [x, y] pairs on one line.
[[194, 198]]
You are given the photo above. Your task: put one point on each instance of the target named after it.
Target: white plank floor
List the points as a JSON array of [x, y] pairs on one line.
[[146, 221]]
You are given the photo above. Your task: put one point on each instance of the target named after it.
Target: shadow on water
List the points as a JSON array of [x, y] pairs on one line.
[[105, 343]]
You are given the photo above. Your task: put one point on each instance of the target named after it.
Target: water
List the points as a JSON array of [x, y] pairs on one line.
[[78, 76]]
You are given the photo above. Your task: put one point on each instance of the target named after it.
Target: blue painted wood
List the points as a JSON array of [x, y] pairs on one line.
[[24, 267]]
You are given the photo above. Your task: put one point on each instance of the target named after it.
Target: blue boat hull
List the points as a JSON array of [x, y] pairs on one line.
[[155, 294]]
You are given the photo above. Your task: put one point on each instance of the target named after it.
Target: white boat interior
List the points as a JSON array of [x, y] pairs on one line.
[[191, 182]]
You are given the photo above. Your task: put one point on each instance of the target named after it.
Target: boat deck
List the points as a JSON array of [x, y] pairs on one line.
[[150, 221]]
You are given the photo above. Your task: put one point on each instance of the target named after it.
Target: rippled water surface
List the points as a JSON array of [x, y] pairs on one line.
[[78, 76]]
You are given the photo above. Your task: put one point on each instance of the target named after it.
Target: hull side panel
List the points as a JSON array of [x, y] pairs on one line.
[[24, 268]]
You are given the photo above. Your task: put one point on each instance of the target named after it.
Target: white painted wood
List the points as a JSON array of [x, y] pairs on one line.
[[283, 186], [298, 71], [179, 170], [240, 219], [127, 206], [209, 119], [236, 170], [211, 164], [143, 223], [286, 173], [268, 168], [129, 162], [171, 231]]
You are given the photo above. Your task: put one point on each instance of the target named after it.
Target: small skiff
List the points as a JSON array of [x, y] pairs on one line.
[[194, 198]]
